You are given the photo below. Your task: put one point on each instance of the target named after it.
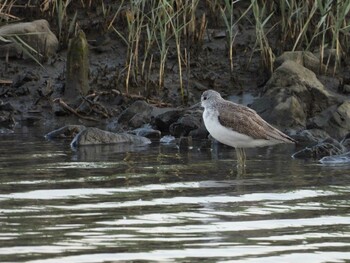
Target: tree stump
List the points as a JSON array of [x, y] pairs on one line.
[[77, 71]]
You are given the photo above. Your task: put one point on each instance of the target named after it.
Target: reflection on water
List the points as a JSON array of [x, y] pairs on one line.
[[110, 203]]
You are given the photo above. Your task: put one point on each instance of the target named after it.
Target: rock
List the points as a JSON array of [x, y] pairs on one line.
[[6, 120], [147, 132], [167, 139], [192, 120], [311, 135], [199, 133], [335, 120], [325, 148], [68, 131], [292, 95], [7, 106], [36, 34], [93, 136], [304, 58], [138, 114], [163, 120], [24, 77]]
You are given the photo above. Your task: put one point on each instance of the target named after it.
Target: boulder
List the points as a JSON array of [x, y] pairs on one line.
[[304, 58], [94, 136], [138, 114], [36, 34], [191, 121], [292, 95], [163, 120]]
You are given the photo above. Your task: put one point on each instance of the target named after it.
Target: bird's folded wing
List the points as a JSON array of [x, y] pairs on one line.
[[246, 121]]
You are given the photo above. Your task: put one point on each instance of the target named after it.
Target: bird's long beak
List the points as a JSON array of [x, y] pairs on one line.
[[196, 105]]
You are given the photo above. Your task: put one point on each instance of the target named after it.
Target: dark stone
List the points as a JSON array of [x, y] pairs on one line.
[[6, 119], [147, 132], [7, 106], [165, 119], [138, 114], [200, 133], [93, 136], [184, 125]]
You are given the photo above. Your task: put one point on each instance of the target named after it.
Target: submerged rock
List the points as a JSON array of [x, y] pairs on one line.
[[93, 136], [336, 159], [167, 139], [147, 132], [325, 148]]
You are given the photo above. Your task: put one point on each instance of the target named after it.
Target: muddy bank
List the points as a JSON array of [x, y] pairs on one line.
[[297, 98]]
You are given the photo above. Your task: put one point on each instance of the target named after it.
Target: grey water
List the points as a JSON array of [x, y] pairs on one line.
[[158, 203]]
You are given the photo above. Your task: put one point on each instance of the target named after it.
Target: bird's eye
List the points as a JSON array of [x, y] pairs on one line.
[[205, 98]]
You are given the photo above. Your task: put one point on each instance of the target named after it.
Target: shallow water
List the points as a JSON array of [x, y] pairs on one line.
[[156, 203]]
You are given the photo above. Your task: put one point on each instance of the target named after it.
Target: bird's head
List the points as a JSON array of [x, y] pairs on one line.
[[209, 97]]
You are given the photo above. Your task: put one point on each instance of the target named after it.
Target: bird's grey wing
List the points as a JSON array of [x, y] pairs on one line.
[[246, 121]]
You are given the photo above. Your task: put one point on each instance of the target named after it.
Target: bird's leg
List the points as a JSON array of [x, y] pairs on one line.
[[240, 152]]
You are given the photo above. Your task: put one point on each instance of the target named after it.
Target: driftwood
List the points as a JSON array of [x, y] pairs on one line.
[[70, 109]]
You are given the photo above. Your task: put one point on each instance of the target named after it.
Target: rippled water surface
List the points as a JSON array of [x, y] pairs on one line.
[[156, 203]]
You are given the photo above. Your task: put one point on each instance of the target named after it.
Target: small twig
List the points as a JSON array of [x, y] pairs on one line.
[[70, 109], [94, 107]]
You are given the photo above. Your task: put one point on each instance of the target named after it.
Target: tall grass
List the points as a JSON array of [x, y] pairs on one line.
[[153, 29], [168, 35]]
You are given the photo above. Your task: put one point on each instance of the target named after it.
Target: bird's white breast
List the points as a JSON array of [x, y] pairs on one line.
[[228, 136]]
